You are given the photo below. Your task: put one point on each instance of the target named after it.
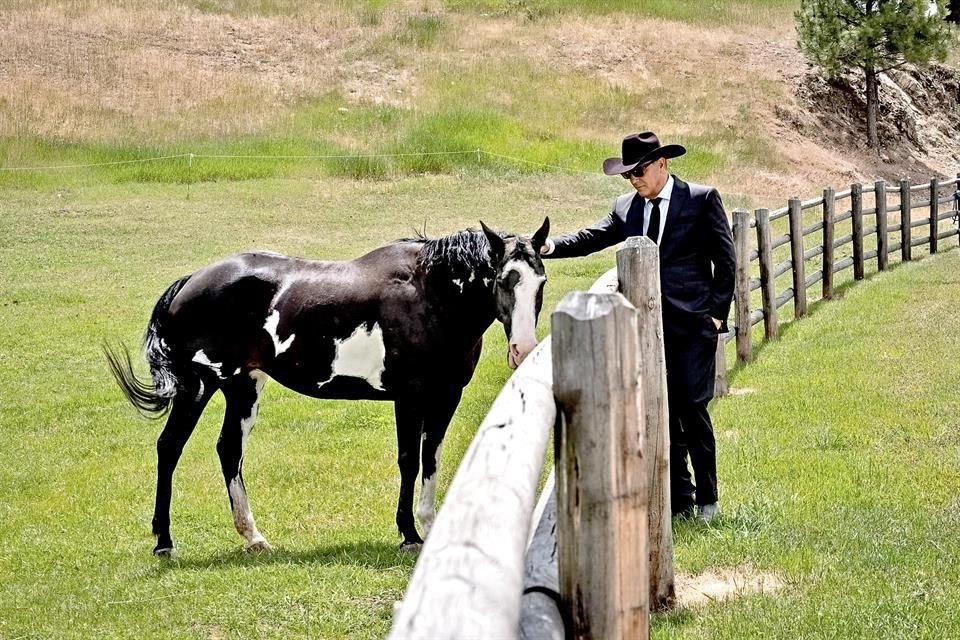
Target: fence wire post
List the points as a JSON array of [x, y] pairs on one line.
[[189, 173]]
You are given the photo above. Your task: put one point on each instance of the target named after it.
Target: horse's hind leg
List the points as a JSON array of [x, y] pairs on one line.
[[185, 411], [243, 398], [409, 415]]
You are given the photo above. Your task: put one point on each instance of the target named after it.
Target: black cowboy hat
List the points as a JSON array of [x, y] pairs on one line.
[[639, 148]]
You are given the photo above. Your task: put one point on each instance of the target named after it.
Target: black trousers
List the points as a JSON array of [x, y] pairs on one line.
[[691, 369]]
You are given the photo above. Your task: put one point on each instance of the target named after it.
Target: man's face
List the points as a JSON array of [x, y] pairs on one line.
[[649, 183]]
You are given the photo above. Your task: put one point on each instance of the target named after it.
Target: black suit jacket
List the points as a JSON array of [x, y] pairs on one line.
[[696, 254]]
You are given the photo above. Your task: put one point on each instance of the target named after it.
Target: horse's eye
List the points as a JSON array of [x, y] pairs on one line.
[[510, 280]]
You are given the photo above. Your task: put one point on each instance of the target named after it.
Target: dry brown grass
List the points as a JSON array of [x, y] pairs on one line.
[[724, 584], [109, 72], [93, 72]]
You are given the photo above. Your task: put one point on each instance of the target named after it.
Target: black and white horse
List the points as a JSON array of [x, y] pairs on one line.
[[402, 323]]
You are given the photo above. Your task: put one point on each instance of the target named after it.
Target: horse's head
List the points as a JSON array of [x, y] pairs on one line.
[[518, 288]]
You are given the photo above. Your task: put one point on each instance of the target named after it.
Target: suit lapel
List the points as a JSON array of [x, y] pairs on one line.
[[678, 204]]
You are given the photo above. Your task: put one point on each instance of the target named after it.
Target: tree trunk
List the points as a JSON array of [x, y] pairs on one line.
[[873, 99]]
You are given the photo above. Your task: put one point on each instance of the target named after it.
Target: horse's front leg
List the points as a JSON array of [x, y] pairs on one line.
[[243, 399], [436, 421], [409, 415]]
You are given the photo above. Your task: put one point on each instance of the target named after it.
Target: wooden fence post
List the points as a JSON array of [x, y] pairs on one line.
[[934, 214], [768, 290], [856, 217], [638, 266], [883, 241], [829, 206], [601, 484], [906, 251], [796, 253], [720, 386], [741, 245]]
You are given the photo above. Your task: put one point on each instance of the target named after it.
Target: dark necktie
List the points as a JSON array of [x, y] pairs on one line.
[[653, 228]]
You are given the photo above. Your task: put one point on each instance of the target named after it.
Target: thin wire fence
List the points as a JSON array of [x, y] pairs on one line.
[[352, 156]]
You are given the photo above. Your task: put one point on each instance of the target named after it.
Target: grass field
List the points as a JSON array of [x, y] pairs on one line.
[[839, 473]]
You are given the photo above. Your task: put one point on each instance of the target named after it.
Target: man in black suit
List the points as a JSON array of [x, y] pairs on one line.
[[689, 224]]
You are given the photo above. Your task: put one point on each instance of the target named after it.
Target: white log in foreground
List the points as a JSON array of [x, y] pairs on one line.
[[469, 578]]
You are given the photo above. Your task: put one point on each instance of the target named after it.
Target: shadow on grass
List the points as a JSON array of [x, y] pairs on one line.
[[368, 555]]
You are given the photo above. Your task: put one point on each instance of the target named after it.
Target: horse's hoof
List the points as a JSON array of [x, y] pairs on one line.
[[163, 552], [259, 546], [410, 547]]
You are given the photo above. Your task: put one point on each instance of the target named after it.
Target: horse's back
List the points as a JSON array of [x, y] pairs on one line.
[[249, 309]]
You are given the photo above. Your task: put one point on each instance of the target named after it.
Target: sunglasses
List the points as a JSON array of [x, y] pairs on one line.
[[636, 172]]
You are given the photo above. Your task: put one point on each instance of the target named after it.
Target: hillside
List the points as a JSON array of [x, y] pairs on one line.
[[543, 81]]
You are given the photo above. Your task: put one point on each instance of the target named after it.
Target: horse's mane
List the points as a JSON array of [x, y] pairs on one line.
[[460, 252]]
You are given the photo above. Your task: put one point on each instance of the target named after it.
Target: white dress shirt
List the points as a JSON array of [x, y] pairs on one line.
[[664, 196]]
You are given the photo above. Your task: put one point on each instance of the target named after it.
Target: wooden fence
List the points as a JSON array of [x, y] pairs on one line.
[[494, 565], [811, 241]]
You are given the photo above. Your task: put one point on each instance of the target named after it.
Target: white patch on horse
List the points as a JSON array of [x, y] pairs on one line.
[[360, 356], [281, 290], [524, 320], [201, 358], [246, 424], [426, 508], [459, 284], [473, 276], [270, 326], [242, 515]]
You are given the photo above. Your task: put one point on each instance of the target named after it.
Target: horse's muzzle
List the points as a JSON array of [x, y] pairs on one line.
[[517, 353]]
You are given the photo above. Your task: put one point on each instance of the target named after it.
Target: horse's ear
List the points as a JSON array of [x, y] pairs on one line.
[[540, 237], [497, 246]]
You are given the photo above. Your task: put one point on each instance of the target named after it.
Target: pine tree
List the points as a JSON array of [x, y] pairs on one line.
[[871, 35]]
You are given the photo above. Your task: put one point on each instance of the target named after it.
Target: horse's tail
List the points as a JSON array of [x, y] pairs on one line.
[[151, 398]]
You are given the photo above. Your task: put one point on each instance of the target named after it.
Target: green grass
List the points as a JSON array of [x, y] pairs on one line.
[[839, 473], [77, 467], [441, 142]]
